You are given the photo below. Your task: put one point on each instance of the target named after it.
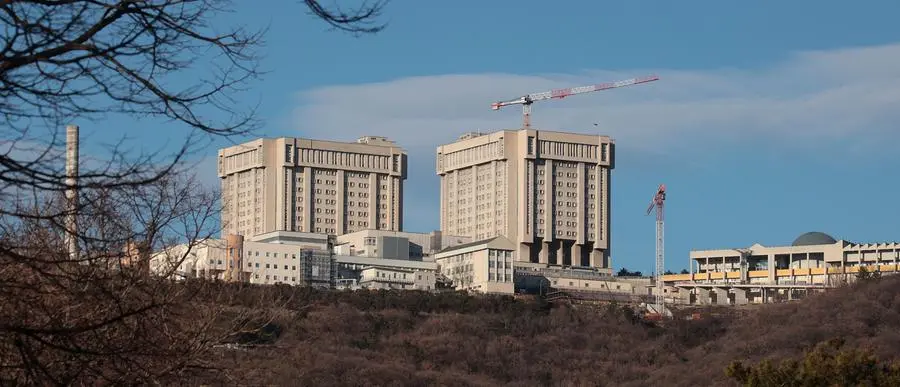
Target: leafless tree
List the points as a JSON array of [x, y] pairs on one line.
[[96, 319], [64, 61], [103, 319]]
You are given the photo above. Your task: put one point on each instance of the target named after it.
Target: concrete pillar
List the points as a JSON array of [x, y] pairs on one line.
[[544, 255], [771, 258], [524, 253], [374, 199], [740, 296], [560, 252], [341, 222], [597, 258], [309, 215], [702, 296], [809, 275], [576, 255], [721, 296], [792, 277]]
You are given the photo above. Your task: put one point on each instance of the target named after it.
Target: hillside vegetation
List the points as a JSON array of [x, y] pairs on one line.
[[410, 338]]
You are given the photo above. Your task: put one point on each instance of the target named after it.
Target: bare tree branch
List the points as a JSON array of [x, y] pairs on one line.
[[358, 21], [100, 318]]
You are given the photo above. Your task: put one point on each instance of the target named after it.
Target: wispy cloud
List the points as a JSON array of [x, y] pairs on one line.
[[811, 99], [811, 96]]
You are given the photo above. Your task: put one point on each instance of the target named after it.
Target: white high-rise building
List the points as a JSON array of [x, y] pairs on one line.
[[547, 192], [296, 184]]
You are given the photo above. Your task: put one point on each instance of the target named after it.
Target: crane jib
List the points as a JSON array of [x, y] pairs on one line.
[[562, 93], [528, 99]]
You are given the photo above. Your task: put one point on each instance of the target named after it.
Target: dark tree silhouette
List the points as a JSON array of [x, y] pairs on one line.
[[626, 273], [98, 318]]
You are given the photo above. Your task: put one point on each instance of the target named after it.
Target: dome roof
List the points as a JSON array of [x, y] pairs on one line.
[[814, 238]]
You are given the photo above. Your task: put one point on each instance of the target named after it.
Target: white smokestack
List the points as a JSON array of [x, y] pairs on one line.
[[72, 191]]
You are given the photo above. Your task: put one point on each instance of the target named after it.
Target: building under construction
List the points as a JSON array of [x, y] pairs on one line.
[[317, 268]]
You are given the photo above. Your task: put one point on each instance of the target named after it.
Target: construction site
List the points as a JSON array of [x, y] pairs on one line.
[[678, 194], [549, 215], [758, 274], [569, 279]]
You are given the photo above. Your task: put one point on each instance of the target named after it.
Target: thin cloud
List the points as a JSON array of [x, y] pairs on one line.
[[811, 99], [810, 96]]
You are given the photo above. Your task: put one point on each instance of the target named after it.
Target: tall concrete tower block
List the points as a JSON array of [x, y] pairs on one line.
[[296, 184], [546, 191]]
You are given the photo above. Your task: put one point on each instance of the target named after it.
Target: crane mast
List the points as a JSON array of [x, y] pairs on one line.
[[527, 100], [659, 203]]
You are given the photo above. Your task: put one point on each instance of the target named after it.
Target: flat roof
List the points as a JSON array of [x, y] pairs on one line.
[[381, 262]]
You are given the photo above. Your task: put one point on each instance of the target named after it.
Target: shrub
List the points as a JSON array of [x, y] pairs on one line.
[[828, 364]]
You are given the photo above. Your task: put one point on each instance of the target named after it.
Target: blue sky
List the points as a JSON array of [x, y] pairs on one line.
[[771, 118]]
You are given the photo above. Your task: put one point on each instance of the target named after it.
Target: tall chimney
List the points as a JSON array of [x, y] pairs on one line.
[[72, 191]]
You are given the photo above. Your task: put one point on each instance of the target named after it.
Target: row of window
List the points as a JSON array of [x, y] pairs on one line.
[[250, 253], [499, 278], [275, 278], [273, 266], [498, 264], [325, 172], [587, 285], [381, 274], [541, 231]]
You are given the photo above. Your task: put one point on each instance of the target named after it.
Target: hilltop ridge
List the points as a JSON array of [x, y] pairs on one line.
[[341, 338]]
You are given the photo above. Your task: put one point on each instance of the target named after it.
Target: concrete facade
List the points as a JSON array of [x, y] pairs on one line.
[[547, 192], [304, 185], [396, 278], [580, 284], [238, 260], [396, 244], [592, 284], [357, 272], [183, 261], [292, 258], [304, 239], [813, 262], [483, 266]]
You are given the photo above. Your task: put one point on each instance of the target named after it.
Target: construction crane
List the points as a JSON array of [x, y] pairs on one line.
[[659, 203], [529, 99]]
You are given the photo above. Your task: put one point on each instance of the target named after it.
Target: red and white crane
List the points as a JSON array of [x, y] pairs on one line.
[[529, 99], [659, 203]]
